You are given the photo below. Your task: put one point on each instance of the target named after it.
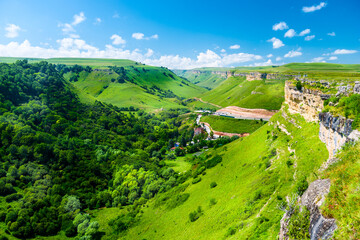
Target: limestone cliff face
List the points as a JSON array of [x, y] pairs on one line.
[[313, 198], [307, 102], [335, 132]]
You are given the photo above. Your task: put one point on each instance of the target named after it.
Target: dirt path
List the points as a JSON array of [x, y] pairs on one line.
[[199, 99], [225, 133], [245, 113]]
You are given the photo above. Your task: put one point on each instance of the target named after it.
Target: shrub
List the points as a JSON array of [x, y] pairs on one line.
[[298, 85], [230, 231], [213, 184], [196, 180], [301, 186], [212, 202], [193, 216], [299, 224], [177, 200]]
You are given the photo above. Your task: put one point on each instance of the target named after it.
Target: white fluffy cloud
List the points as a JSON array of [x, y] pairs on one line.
[[278, 59], [318, 59], [267, 63], [332, 34], [293, 53], [290, 33], [236, 46], [314, 7], [68, 28], [309, 38], [70, 47], [304, 32], [98, 20], [12, 31], [280, 26], [332, 58], [223, 50], [344, 51], [141, 36], [117, 40], [277, 43], [78, 19], [269, 55]]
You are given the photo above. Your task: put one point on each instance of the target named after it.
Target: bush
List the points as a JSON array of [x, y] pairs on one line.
[[177, 200], [301, 186], [196, 180], [299, 224], [213, 184], [212, 202], [193, 216], [213, 161], [298, 85]]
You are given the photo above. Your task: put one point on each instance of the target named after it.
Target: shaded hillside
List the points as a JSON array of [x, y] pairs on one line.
[[236, 91]]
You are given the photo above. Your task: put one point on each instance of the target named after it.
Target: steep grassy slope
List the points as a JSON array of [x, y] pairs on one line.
[[236, 91], [231, 125], [342, 203], [205, 79], [255, 175], [146, 87]]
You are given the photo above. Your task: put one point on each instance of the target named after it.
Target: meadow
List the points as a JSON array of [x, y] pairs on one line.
[[232, 125]]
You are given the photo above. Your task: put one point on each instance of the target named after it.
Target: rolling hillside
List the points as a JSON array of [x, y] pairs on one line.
[[144, 87], [204, 79], [127, 83], [236, 91]]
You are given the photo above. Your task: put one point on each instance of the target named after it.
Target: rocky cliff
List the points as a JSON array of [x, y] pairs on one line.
[[336, 131], [307, 102], [312, 199]]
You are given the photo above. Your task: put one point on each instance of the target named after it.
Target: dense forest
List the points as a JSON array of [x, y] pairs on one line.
[[60, 157]]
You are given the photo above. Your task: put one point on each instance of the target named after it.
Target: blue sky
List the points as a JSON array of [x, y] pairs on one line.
[[184, 34]]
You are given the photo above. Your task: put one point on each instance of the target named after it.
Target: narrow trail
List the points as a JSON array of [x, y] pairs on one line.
[[199, 99]]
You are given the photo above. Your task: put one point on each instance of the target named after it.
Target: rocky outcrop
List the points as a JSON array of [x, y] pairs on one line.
[[336, 131], [255, 76], [280, 76], [356, 88], [307, 102], [312, 199]]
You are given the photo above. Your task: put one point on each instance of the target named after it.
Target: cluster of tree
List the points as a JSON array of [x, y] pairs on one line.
[[122, 74], [59, 157], [62, 68]]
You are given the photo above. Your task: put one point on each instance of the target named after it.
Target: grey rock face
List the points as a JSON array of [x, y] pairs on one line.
[[313, 198], [338, 124], [343, 90], [357, 88]]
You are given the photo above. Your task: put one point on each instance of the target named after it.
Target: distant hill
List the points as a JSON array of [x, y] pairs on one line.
[[126, 83], [134, 85], [236, 91], [205, 79]]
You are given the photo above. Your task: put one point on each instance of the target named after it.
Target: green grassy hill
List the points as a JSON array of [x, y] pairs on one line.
[[252, 180], [236, 91], [146, 87], [205, 79], [101, 83]]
